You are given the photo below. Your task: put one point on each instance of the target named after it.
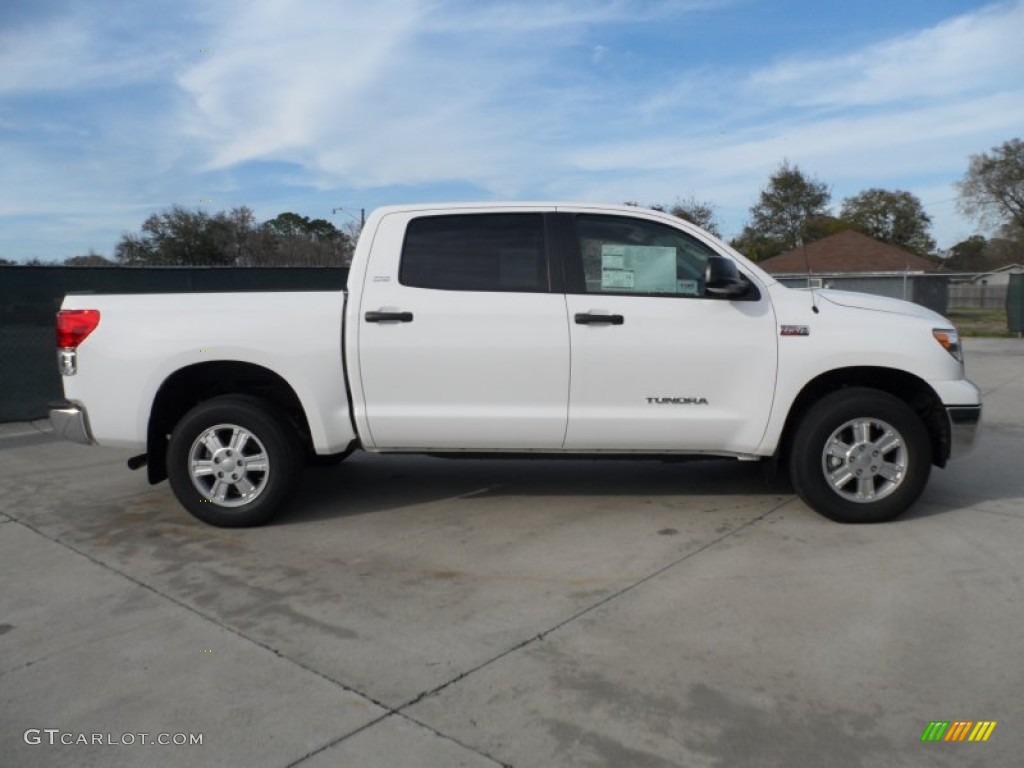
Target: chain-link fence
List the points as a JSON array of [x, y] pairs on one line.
[[30, 297], [929, 290], [942, 292]]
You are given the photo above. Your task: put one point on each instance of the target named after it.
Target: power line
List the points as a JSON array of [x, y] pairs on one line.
[[954, 199], [936, 202]]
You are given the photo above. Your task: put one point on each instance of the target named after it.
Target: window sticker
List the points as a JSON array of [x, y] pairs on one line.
[[651, 268], [611, 258], [617, 279], [687, 288]]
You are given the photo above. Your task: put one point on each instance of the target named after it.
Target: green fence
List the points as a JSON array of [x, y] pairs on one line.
[[30, 297], [1015, 304]]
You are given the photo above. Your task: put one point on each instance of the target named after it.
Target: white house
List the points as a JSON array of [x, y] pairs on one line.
[[998, 278]]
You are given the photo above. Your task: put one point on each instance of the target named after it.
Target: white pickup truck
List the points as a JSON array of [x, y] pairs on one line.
[[514, 329]]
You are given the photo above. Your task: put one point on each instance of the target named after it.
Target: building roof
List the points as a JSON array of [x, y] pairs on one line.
[[1013, 269], [1004, 271], [847, 251]]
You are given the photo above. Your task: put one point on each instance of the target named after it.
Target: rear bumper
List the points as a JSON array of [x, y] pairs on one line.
[[964, 423], [71, 422]]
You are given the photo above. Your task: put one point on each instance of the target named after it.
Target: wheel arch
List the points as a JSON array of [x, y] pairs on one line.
[[189, 386], [909, 388]]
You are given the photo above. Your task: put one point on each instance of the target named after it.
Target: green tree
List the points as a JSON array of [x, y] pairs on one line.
[[288, 224], [182, 237], [235, 238], [175, 237], [896, 217], [992, 190], [820, 227], [969, 255], [700, 212], [90, 259], [311, 242], [1003, 250], [784, 214], [755, 246]]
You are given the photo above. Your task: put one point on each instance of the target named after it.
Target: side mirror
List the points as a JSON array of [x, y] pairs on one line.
[[722, 279]]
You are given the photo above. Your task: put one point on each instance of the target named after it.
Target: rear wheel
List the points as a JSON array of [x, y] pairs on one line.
[[234, 461], [860, 455]]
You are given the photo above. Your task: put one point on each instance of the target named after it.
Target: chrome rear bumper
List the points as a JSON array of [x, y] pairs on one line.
[[70, 422], [964, 421]]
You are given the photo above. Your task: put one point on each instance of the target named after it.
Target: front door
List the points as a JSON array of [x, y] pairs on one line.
[[657, 365]]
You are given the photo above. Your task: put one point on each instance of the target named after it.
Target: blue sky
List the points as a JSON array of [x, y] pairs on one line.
[[111, 110]]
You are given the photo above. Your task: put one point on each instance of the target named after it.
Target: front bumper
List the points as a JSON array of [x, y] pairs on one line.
[[71, 422], [964, 423]]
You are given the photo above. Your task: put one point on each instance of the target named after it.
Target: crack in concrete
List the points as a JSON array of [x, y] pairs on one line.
[[382, 718], [583, 612], [399, 710], [388, 711]]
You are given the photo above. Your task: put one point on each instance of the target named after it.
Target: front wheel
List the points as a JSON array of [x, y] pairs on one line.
[[860, 455], [234, 461]]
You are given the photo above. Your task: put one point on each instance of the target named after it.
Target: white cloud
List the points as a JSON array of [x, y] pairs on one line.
[[529, 16], [76, 49], [502, 97], [958, 56], [867, 145], [44, 57], [399, 92]]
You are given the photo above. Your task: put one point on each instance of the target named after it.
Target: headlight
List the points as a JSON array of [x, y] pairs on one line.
[[949, 338]]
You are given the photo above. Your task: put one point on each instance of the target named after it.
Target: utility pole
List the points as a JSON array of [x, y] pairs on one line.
[[362, 215], [351, 235]]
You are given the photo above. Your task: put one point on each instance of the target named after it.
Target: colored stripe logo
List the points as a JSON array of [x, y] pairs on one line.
[[958, 730]]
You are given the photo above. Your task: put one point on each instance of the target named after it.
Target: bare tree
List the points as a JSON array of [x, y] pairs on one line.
[[992, 190]]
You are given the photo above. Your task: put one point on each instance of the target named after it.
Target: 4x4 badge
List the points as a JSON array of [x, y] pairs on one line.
[[795, 330]]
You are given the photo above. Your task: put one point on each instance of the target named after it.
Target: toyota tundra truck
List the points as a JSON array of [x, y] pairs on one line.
[[520, 329]]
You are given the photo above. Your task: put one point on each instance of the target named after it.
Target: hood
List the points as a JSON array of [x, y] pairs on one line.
[[880, 304]]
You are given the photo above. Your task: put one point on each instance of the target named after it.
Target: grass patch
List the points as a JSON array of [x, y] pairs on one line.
[[990, 321]]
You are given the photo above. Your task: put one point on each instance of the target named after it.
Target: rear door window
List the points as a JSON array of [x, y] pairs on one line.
[[476, 252]]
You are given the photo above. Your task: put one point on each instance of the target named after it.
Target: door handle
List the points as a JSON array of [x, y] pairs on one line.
[[588, 318], [386, 317]]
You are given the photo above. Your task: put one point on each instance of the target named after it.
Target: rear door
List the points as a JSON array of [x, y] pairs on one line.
[[657, 365], [463, 337]]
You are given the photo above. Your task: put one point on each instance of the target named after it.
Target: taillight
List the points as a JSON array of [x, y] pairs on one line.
[[73, 325]]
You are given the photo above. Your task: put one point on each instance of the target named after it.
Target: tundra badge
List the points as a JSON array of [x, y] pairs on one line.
[[677, 401]]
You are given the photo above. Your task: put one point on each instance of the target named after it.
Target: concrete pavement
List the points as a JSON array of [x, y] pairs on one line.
[[427, 612]]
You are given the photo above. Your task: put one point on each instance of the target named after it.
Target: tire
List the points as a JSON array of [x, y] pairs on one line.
[[234, 461], [860, 455]]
